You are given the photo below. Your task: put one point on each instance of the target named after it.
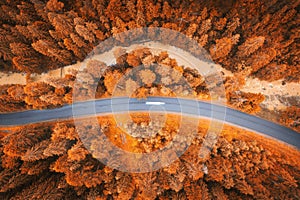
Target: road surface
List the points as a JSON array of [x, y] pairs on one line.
[[160, 104]]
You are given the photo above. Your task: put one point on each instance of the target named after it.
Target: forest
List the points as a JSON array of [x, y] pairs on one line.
[[51, 160]]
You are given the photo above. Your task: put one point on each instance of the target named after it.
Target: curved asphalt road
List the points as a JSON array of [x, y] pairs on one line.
[[174, 105]]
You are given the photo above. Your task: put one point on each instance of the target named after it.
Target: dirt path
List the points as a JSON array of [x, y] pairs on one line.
[[277, 95]]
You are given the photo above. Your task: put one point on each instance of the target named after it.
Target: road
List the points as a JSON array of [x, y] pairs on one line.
[[156, 104]]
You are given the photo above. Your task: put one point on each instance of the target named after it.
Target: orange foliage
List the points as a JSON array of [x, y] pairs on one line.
[[49, 161], [240, 161], [80, 26]]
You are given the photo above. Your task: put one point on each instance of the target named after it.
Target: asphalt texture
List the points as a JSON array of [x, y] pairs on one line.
[[181, 106]]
